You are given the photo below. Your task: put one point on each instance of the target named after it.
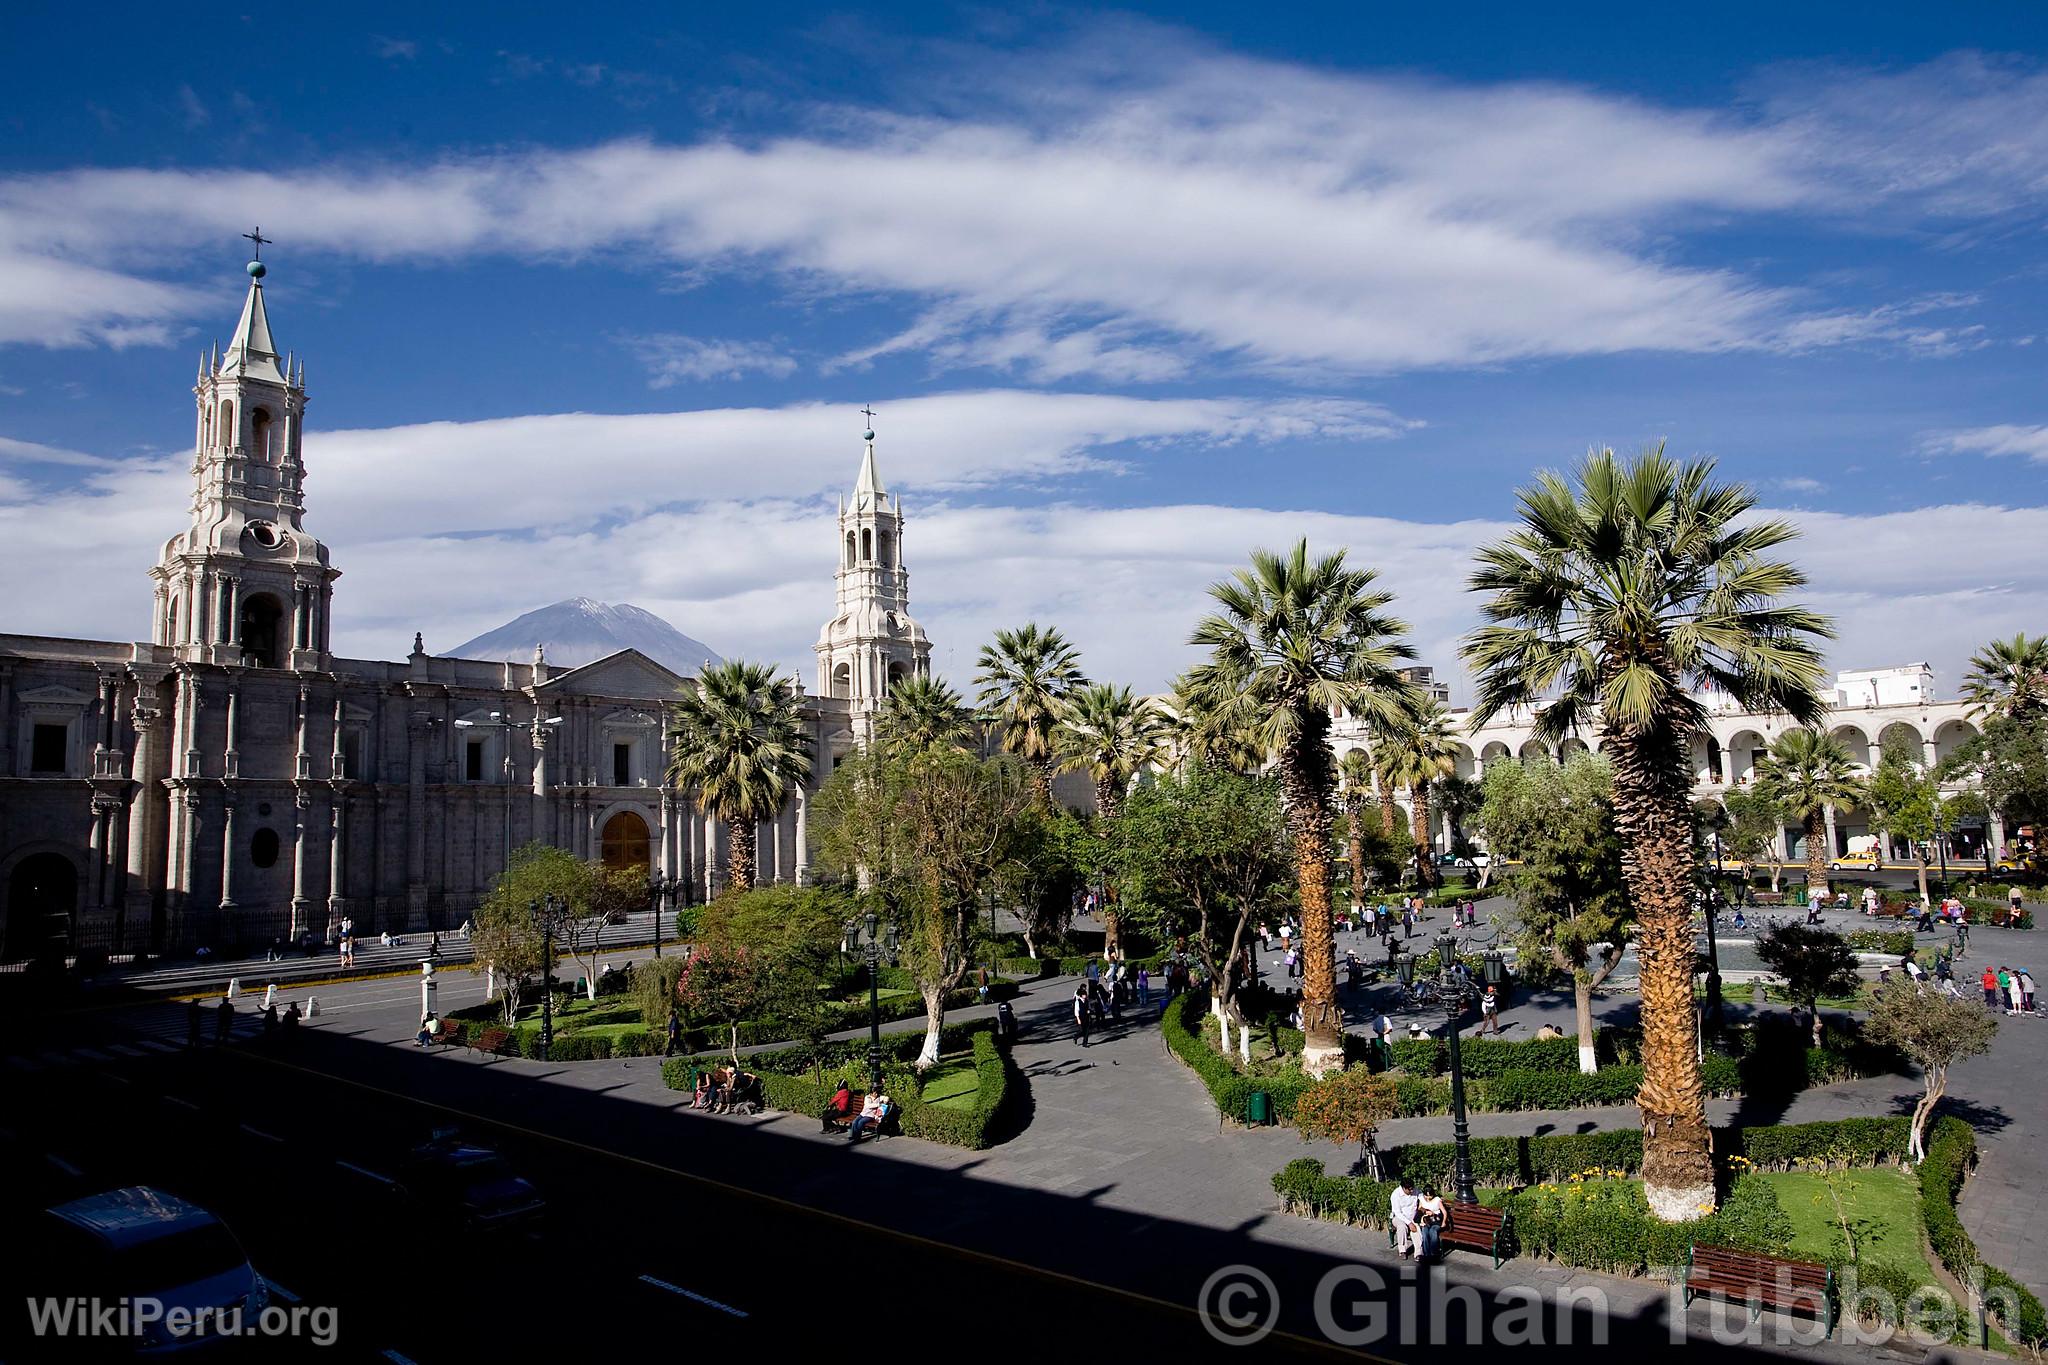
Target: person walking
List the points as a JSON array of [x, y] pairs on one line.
[[1083, 1006], [2005, 994], [223, 1019], [1489, 1011], [2026, 985], [194, 1023], [1990, 983], [674, 1030], [1293, 964], [1144, 986]]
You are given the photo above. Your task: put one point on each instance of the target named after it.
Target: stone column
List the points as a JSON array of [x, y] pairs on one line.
[[302, 801], [543, 808], [145, 811], [232, 758], [665, 860], [418, 732], [803, 836], [227, 854], [1832, 844], [337, 864]]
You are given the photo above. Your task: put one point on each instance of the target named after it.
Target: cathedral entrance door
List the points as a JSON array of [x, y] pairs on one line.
[[624, 844], [42, 897]]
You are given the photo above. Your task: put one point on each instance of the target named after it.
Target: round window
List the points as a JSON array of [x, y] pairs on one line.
[[263, 848], [265, 534]]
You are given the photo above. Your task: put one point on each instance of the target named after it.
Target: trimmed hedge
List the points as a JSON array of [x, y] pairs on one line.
[[1232, 1090], [789, 1084], [1951, 1151], [1892, 942]]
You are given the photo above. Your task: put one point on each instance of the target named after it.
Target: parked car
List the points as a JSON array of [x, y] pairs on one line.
[[1865, 858], [138, 1243], [469, 1184]]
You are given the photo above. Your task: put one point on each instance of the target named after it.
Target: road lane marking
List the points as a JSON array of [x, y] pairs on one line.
[[259, 1133], [366, 1171], [181, 1103], [793, 1207], [693, 1296]]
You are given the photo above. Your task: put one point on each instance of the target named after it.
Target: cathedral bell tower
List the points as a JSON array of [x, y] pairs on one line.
[[244, 584], [872, 643]]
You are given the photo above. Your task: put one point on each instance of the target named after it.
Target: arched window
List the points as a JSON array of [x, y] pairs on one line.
[[842, 681], [867, 545], [171, 623], [261, 615], [849, 549], [259, 435], [224, 434], [886, 547]]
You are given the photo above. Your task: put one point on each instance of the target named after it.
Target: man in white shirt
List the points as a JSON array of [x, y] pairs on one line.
[[1402, 1209]]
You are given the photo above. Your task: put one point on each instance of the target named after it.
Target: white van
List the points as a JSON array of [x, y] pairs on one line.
[[140, 1243]]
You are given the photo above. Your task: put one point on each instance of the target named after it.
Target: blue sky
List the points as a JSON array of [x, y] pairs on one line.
[[588, 308]]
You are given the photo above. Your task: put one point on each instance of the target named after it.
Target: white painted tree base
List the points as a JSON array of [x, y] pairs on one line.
[[1686, 1204], [1321, 1061], [1587, 1064]]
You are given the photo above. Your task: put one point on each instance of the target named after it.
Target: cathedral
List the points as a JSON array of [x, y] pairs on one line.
[[232, 782]]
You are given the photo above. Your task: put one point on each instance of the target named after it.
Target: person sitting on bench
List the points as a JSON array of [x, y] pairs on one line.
[[836, 1108], [430, 1030], [872, 1111], [1430, 1217]]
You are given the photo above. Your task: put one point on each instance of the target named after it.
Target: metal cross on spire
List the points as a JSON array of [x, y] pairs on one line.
[[869, 413], [260, 240]]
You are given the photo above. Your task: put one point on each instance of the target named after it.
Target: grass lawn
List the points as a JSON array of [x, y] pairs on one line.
[[953, 1083], [1745, 993], [1880, 1204], [1264, 1063]]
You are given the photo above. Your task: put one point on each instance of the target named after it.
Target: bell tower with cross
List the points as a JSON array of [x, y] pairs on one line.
[[871, 643], [244, 583]]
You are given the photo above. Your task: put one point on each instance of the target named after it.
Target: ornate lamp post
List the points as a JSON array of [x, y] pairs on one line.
[[1456, 991], [548, 912], [1713, 943], [874, 941]]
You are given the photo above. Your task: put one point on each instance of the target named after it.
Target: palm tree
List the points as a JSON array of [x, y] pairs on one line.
[[739, 743], [1112, 736], [1621, 593], [1383, 732], [1024, 676], [1213, 728], [1300, 640], [1356, 771], [1805, 773], [1424, 752], [2009, 678], [922, 713]]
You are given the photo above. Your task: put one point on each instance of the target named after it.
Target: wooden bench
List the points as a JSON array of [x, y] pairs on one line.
[[1768, 897], [1894, 910], [1471, 1227], [1761, 1281], [888, 1127], [491, 1041]]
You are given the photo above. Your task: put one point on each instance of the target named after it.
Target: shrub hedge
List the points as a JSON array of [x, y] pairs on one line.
[[791, 1084], [1892, 942], [1951, 1151]]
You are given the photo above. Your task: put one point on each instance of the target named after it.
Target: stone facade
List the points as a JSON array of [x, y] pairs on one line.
[[232, 782]]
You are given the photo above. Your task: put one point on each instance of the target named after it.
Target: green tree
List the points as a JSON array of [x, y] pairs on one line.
[[603, 897], [1043, 872], [1355, 772], [1622, 595], [1202, 855], [1574, 913], [923, 713], [1111, 736], [792, 933], [2009, 678], [1905, 803], [1301, 640], [507, 932], [1349, 1107], [740, 744], [1213, 727], [2008, 764], [1754, 824], [928, 834], [1025, 676], [1805, 773], [1811, 962], [723, 984], [1934, 1031], [1424, 752]]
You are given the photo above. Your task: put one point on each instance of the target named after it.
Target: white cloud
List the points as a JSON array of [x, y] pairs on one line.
[[1798, 484], [1185, 207], [670, 357], [28, 452], [2003, 439]]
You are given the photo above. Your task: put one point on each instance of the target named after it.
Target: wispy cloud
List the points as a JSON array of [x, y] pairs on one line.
[[1188, 208], [671, 357], [2004, 439], [193, 108], [396, 49]]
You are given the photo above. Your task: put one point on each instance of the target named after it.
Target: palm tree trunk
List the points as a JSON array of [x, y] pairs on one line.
[[1308, 819], [1653, 817], [739, 863], [1425, 865], [1041, 783], [1357, 851], [1107, 804], [1816, 855], [1390, 817]]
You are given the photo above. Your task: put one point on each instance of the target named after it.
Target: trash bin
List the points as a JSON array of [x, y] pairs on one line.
[[1258, 1111]]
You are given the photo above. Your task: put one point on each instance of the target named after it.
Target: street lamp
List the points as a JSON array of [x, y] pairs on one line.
[[1713, 943], [1456, 991], [874, 941], [547, 914]]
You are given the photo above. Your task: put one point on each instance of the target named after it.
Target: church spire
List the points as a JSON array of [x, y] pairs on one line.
[[867, 489], [252, 352]]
